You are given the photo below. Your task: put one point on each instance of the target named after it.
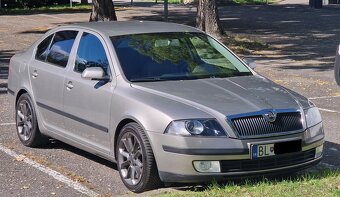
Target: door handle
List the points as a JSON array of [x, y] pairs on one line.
[[69, 85], [35, 74]]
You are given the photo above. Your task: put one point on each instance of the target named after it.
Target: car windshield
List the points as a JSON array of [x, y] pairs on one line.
[[175, 56]]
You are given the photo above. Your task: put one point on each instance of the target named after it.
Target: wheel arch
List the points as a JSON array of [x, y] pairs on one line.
[[121, 124], [20, 92]]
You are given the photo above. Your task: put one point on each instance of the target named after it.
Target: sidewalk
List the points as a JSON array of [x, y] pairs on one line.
[[296, 2]]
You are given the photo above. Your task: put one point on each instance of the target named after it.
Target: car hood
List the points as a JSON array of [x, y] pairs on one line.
[[228, 96]]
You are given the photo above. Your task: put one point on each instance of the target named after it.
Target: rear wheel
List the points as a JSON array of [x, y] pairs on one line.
[[135, 159], [27, 124]]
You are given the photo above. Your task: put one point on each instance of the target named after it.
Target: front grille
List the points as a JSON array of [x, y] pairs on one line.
[[276, 161], [257, 126]]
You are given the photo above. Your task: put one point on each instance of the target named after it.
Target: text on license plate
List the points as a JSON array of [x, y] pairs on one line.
[[262, 150]]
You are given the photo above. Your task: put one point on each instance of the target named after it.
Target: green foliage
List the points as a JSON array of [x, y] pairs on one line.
[[31, 3], [48, 9]]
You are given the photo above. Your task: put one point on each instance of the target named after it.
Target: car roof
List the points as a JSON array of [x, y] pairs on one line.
[[118, 28]]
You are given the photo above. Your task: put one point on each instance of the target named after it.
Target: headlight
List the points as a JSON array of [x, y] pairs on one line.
[[313, 116], [206, 127]]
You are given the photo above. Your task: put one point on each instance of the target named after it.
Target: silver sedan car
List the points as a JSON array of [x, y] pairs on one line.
[[167, 102]]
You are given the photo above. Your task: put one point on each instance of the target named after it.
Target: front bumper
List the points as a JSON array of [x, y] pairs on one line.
[[204, 177], [175, 156]]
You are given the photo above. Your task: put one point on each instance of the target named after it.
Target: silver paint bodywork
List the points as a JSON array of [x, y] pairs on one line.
[[64, 101]]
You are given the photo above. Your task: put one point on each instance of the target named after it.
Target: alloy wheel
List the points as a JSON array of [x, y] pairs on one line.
[[130, 158], [24, 120]]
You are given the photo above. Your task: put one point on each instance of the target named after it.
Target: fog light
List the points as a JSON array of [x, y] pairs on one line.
[[318, 151], [207, 166]]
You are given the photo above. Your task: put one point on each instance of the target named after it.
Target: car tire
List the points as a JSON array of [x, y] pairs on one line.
[[135, 159], [27, 124]]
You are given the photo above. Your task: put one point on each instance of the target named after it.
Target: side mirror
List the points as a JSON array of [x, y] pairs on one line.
[[250, 62], [93, 73]]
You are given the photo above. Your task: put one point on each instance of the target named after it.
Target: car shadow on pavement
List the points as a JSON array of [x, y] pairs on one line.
[[56, 144], [331, 155]]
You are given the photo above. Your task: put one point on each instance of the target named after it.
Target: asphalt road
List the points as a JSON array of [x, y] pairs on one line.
[[62, 170]]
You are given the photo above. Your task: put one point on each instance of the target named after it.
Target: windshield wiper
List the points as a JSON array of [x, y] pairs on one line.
[[149, 79], [164, 78]]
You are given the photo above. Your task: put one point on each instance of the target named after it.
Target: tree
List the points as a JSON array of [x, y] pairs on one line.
[[103, 10], [207, 18], [84, 1]]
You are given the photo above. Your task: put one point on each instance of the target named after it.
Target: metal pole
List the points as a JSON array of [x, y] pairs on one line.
[[166, 10], [0, 4], [71, 3]]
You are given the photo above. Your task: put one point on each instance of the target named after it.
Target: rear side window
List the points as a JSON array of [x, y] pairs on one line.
[[42, 49], [61, 47], [91, 53]]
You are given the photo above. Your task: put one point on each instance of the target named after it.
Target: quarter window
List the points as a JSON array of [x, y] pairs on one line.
[[91, 53], [42, 49], [61, 47]]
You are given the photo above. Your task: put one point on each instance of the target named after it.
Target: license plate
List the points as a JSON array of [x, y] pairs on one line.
[[262, 150]]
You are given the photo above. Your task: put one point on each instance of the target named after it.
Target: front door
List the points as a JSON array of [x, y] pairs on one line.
[[87, 102]]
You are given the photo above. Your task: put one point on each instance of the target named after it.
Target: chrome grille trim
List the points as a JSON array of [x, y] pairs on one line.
[[254, 125]]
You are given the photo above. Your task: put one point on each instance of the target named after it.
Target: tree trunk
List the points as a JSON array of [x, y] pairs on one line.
[[103, 10], [207, 18]]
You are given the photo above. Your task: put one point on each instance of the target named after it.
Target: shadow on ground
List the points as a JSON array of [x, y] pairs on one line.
[[5, 56], [55, 144], [293, 32]]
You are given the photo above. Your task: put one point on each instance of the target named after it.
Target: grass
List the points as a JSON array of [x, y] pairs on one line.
[[52, 9], [325, 183], [47, 9]]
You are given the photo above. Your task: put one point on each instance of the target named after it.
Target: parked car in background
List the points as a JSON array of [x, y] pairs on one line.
[[337, 66], [167, 102]]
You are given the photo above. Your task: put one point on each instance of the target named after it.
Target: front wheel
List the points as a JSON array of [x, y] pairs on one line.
[[135, 159], [27, 124]]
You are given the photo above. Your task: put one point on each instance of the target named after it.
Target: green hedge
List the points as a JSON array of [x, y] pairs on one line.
[[31, 3]]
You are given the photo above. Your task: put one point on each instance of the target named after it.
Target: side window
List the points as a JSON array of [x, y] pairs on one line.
[[61, 47], [42, 49], [90, 53]]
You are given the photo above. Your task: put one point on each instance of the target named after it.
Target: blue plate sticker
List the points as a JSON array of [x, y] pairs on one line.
[[254, 151]]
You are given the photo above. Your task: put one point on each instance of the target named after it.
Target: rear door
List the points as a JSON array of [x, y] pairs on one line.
[[47, 71], [87, 102]]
